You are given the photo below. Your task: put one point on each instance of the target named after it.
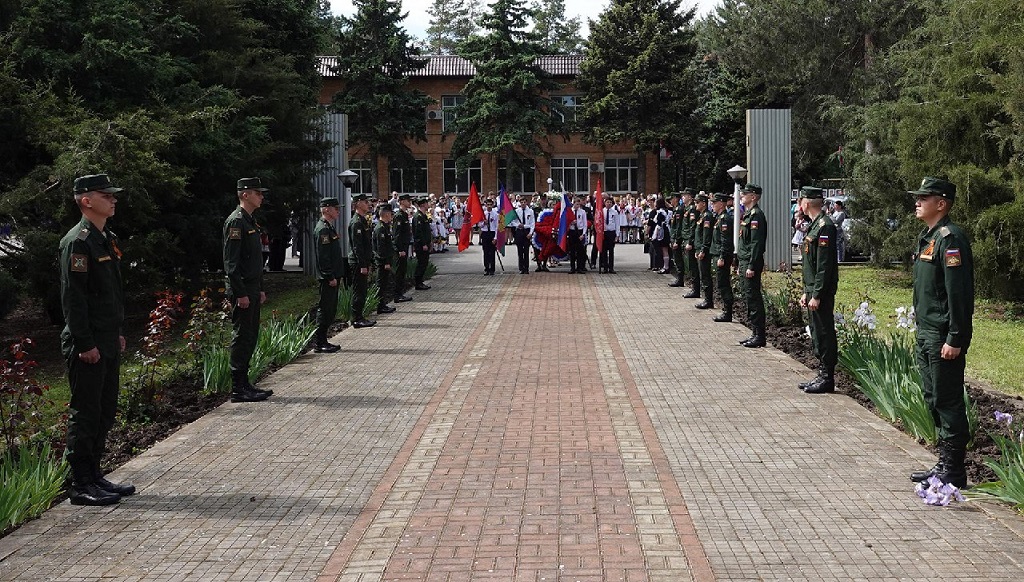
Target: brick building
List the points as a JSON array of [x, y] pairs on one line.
[[574, 164]]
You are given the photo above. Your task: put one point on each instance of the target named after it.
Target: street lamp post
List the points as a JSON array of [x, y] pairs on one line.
[[737, 173], [348, 178], [550, 182]]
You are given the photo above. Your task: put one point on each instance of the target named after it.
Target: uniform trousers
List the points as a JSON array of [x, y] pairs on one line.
[[401, 268], [360, 283], [245, 330], [607, 259], [942, 383], [422, 260], [706, 282], [577, 251], [328, 309], [753, 296], [723, 277], [92, 411], [487, 240], [823, 331], [523, 249]]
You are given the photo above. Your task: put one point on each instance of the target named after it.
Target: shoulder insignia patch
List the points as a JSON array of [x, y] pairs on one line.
[[944, 232], [235, 234], [325, 239], [953, 258], [823, 240], [79, 263], [83, 234], [753, 225]]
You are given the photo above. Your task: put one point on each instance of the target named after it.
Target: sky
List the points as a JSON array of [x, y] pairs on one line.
[[418, 19]]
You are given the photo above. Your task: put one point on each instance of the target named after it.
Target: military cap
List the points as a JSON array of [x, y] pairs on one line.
[[702, 197], [672, 195], [329, 203], [405, 196], [722, 197], [931, 186], [95, 183], [812, 193], [689, 192], [422, 200], [251, 184], [384, 208], [358, 197], [751, 189]]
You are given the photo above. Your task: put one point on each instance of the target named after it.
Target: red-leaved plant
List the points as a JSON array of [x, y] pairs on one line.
[[22, 397]]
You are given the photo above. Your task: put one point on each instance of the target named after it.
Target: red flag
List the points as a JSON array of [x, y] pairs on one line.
[[474, 214], [599, 218]]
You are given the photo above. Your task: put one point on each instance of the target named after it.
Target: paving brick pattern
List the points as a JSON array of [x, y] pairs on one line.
[[547, 427]]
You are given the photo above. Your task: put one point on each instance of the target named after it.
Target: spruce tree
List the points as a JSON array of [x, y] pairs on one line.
[[375, 59], [451, 22], [636, 77], [507, 109]]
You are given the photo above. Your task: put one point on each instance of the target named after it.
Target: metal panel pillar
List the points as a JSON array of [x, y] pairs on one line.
[[769, 159], [327, 185]]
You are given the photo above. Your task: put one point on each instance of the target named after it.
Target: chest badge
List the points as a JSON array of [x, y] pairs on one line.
[[928, 252]]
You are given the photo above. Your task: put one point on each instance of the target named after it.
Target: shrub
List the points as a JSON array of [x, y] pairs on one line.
[[782, 306], [10, 293], [22, 397], [30, 479], [1009, 468], [142, 391]]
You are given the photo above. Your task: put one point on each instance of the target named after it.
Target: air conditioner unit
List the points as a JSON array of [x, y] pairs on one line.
[[433, 114], [597, 168]]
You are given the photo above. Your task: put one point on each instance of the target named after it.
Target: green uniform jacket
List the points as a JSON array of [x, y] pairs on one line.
[[243, 255], [703, 231], [753, 238], [91, 292], [329, 262], [820, 261], [944, 283], [675, 225], [721, 240], [383, 245], [421, 235], [360, 242], [400, 231], [689, 228]]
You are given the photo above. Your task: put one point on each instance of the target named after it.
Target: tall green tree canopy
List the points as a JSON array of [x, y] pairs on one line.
[[375, 59], [451, 22], [636, 76], [507, 110], [558, 35]]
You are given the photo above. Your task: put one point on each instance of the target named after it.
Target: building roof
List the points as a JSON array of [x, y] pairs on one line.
[[456, 66]]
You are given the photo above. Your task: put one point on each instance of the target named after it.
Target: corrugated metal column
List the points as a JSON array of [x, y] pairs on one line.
[[769, 137], [327, 185]]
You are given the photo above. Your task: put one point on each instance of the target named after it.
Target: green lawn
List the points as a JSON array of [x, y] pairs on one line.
[[997, 342]]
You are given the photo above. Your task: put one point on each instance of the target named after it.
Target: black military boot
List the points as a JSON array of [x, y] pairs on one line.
[[704, 304], [758, 340], [725, 316], [753, 334], [242, 391], [825, 383], [924, 474], [804, 385], [122, 489], [953, 470], [692, 294], [92, 494]]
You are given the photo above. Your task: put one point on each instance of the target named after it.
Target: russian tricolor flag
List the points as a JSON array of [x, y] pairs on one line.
[[565, 216]]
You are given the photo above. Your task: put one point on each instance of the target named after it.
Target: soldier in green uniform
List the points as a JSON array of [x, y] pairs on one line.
[[360, 258], [675, 231], [821, 278], [330, 271], [721, 254], [944, 304], [92, 341], [703, 232], [421, 239], [401, 233], [689, 232], [243, 270], [384, 256], [753, 240]]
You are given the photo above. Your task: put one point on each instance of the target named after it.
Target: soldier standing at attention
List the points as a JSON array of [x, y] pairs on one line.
[[330, 269], [401, 233], [753, 240], [944, 304], [688, 232], [704, 231], [384, 256], [821, 278], [721, 254], [92, 341], [360, 257], [243, 269], [488, 232], [421, 241], [675, 229]]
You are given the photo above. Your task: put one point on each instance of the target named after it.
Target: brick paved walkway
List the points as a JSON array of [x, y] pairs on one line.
[[546, 427]]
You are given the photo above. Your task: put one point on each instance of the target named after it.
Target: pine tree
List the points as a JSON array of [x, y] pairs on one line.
[[376, 57], [559, 35], [507, 109], [636, 78], [451, 22]]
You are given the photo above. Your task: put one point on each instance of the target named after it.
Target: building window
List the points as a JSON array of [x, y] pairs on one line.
[[570, 174], [449, 103], [363, 183], [455, 183], [620, 174], [523, 180], [571, 105], [409, 180]]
